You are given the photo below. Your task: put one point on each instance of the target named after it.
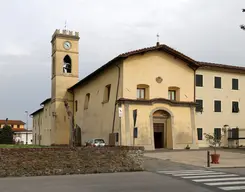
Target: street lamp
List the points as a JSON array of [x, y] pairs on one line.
[[26, 126], [243, 26]]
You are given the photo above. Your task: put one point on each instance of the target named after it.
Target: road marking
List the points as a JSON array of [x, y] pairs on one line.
[[219, 179], [232, 188], [208, 176], [181, 171], [226, 183], [202, 173]]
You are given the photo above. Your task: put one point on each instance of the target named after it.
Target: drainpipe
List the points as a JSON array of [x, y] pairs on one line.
[[114, 115], [73, 116], [39, 143], [195, 85]]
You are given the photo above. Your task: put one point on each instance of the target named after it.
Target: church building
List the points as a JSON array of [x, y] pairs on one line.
[[145, 97]]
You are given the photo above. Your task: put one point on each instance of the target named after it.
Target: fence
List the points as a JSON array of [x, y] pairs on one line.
[[236, 137]]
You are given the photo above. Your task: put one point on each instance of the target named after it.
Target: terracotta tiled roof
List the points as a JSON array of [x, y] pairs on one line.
[[211, 66], [161, 47], [12, 122]]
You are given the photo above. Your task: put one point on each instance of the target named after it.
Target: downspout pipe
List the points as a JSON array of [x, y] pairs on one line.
[[118, 82], [73, 117]]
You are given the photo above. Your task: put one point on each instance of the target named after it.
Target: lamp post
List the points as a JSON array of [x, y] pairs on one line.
[[26, 127], [243, 26]]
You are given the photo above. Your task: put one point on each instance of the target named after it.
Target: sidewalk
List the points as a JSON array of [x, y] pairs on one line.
[[199, 158]]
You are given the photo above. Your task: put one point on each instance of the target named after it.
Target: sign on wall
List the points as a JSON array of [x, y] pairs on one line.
[[135, 116]]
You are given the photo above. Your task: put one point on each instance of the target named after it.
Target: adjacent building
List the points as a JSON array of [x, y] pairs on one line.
[[220, 94], [176, 98], [21, 135], [15, 124]]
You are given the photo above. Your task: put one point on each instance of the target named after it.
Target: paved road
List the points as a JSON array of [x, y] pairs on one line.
[[118, 182], [179, 177], [215, 179], [153, 164]]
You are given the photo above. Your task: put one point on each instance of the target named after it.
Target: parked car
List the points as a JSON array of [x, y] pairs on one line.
[[97, 142]]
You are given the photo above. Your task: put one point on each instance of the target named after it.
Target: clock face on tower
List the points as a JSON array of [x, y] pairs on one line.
[[67, 45]]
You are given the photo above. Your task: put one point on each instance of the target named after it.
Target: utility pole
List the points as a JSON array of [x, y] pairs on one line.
[[243, 26]]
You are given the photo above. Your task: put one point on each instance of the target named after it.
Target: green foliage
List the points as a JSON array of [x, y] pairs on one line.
[[213, 140], [6, 135]]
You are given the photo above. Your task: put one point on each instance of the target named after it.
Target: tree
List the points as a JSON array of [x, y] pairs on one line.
[[6, 136], [213, 140]]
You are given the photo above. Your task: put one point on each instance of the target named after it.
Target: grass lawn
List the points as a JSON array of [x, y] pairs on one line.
[[21, 146]]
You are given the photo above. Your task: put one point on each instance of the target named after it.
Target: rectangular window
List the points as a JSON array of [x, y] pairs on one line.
[[53, 66], [217, 106], [235, 107], [87, 98], [107, 93], [199, 107], [217, 133], [199, 134], [140, 93], [76, 105], [235, 84], [217, 82], [199, 80], [172, 95]]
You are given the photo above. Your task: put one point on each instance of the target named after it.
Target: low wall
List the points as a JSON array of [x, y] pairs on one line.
[[62, 161]]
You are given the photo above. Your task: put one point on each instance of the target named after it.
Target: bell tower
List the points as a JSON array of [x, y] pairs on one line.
[[64, 74]]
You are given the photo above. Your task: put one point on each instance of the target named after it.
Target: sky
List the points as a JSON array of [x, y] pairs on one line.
[[205, 30]]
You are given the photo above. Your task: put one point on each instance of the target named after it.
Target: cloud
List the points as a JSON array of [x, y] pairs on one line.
[[205, 30]]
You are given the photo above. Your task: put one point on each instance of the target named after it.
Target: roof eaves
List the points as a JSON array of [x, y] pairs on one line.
[[94, 73], [35, 112], [138, 51], [46, 101], [221, 66]]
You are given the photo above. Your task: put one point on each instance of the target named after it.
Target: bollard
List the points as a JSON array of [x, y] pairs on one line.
[[208, 158]]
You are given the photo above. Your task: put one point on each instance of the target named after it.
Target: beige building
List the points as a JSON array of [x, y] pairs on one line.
[[157, 84], [220, 93], [15, 124]]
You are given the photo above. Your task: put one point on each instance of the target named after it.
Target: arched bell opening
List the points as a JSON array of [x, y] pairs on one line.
[[67, 65]]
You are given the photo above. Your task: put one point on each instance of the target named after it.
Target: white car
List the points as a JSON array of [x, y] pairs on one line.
[[97, 142]]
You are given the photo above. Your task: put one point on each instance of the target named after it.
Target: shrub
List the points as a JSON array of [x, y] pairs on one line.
[[6, 135]]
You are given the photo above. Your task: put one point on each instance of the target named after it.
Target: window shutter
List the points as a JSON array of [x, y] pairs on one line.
[[235, 84], [217, 133], [199, 80], [235, 107], [199, 107], [217, 82], [199, 133], [217, 106]]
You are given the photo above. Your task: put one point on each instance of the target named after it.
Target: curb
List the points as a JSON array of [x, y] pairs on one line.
[[230, 167]]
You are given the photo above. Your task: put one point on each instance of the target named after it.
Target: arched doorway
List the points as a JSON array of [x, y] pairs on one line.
[[161, 129]]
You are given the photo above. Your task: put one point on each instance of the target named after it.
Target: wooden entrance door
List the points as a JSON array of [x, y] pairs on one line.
[[158, 135]]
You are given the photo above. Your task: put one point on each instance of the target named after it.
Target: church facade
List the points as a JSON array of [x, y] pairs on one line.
[[147, 97]]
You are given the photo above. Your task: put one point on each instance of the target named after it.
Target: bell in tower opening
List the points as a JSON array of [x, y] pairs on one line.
[[67, 64]]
